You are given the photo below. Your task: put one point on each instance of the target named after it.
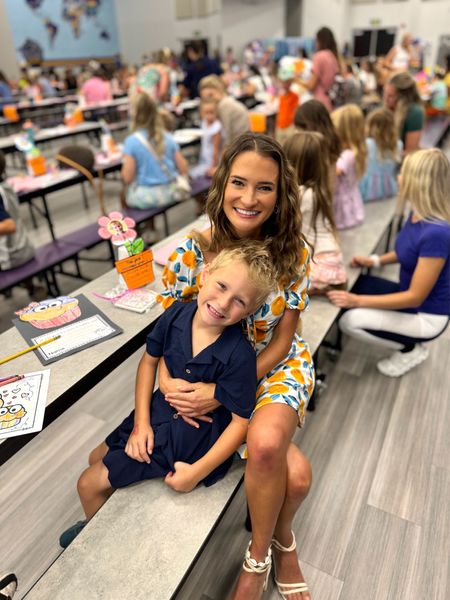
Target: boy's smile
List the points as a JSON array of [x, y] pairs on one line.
[[226, 296]]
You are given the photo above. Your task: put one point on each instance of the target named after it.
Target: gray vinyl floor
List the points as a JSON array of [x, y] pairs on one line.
[[376, 524]]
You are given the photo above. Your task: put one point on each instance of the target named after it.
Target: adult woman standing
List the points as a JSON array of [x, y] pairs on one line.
[[401, 96], [152, 159], [254, 195], [399, 56], [325, 66]]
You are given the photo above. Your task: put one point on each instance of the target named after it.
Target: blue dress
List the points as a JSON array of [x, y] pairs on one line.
[[230, 363], [380, 179]]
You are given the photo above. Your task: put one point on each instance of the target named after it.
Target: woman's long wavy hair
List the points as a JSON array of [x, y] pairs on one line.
[[313, 116], [381, 127], [349, 123], [146, 116], [307, 153], [407, 95], [282, 230]]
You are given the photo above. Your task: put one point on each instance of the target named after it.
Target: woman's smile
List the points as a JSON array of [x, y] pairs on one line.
[[251, 193]]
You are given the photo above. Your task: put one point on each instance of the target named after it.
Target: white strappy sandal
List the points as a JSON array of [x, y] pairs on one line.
[[287, 589], [253, 566]]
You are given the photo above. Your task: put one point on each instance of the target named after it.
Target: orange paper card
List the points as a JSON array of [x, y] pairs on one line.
[[137, 270], [10, 112], [36, 165]]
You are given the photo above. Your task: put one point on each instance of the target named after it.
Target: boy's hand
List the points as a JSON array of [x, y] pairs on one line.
[[140, 443], [184, 479], [194, 401]]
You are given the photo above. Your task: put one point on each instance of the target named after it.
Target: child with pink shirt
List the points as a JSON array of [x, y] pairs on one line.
[[350, 167], [96, 89]]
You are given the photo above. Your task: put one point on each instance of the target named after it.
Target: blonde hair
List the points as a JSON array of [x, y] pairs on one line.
[[407, 94], [381, 127], [211, 81], [256, 257], [308, 154], [425, 182], [282, 229], [146, 116], [349, 123]]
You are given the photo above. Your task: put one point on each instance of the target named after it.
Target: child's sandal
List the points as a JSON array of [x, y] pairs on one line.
[[253, 566], [286, 589]]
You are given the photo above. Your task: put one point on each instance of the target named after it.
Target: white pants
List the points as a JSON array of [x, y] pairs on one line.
[[364, 323]]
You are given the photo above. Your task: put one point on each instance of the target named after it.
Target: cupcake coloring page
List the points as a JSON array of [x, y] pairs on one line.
[[77, 321]]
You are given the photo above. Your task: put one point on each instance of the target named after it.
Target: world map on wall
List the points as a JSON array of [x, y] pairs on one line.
[[73, 12]]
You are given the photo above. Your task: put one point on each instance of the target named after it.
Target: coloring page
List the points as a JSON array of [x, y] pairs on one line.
[[22, 404]]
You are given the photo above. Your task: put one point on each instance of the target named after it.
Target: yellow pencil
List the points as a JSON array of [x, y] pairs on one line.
[[52, 339]]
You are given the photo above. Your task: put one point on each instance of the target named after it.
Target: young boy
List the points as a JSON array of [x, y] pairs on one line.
[[15, 247], [200, 341]]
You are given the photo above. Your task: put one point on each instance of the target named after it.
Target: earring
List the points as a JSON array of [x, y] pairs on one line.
[[276, 209]]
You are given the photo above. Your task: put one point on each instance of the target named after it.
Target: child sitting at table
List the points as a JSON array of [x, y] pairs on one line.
[[211, 140], [199, 340], [15, 246]]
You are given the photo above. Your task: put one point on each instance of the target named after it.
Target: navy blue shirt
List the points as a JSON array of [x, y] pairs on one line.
[[426, 239], [4, 214], [197, 70], [229, 362]]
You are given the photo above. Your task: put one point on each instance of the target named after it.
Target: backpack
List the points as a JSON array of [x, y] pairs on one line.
[[338, 92]]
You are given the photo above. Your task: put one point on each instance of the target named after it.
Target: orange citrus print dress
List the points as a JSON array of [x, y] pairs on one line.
[[290, 382]]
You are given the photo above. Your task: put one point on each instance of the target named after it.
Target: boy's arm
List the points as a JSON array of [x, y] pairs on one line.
[[187, 476], [140, 443]]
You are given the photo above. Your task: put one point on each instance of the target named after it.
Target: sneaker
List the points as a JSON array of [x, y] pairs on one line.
[[401, 362], [8, 585], [70, 534]]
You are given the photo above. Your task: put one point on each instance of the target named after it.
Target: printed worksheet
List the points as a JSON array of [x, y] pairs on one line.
[[74, 336], [22, 403], [77, 321]]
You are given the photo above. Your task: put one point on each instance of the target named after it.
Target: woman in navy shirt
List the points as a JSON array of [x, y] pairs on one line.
[[403, 315]]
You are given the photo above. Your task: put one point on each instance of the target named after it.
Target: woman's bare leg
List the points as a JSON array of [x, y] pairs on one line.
[[298, 484], [268, 440]]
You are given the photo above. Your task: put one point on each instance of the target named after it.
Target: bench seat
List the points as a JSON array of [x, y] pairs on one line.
[[148, 537], [434, 132], [51, 255]]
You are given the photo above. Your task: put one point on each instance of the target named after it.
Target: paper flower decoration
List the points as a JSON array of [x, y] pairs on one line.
[[117, 228]]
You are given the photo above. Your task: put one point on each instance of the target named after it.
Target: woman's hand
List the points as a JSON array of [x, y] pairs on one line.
[[194, 400], [184, 479], [166, 383], [361, 261], [343, 299], [140, 443]]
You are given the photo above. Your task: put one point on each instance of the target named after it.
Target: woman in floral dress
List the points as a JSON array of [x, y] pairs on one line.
[[254, 195]]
